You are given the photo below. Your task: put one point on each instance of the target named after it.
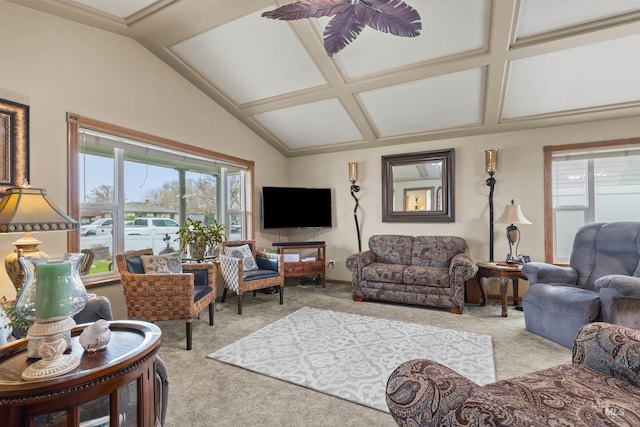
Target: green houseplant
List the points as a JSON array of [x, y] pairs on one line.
[[198, 239]]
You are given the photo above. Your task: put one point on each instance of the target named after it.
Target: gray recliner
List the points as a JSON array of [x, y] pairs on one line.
[[601, 283]]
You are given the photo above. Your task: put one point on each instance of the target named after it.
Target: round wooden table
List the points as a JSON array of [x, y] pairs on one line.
[[114, 387]]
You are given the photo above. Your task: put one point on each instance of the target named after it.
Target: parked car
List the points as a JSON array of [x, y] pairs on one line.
[[97, 227], [152, 226]]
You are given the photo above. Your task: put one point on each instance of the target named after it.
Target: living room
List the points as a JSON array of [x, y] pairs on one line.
[[57, 66]]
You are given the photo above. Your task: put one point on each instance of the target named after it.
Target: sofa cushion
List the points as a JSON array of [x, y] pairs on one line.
[[259, 274], [377, 272], [557, 312], [244, 253], [617, 250], [392, 249], [200, 291], [436, 251], [134, 265], [162, 264], [569, 395], [428, 276]]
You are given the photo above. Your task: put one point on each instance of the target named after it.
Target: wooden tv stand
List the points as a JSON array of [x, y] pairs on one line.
[[304, 268]]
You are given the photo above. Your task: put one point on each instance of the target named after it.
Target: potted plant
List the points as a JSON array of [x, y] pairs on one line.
[[198, 239], [18, 324]]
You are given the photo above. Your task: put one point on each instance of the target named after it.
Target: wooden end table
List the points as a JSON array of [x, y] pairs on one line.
[[114, 387], [304, 268], [505, 273]]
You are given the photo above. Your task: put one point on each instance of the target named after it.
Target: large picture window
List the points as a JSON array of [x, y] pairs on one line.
[[586, 183], [133, 191]]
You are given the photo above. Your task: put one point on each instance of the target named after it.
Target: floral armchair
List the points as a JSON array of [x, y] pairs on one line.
[[244, 269]]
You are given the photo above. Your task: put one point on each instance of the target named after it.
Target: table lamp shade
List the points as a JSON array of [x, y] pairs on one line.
[[30, 209], [26, 210], [512, 215]]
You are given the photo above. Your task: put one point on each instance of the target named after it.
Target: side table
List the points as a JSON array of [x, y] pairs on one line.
[[114, 387], [304, 268], [505, 273]]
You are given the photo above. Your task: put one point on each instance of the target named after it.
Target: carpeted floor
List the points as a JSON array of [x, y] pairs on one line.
[[203, 393], [351, 356]]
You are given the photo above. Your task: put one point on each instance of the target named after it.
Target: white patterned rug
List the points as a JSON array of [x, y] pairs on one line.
[[351, 356]]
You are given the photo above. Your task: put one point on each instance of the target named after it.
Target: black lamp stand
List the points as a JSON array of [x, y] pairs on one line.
[[354, 189], [491, 182]]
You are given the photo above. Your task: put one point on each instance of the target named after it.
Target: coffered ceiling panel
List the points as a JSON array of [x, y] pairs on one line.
[[448, 28], [252, 58], [310, 125], [121, 8], [477, 67], [582, 77], [440, 102], [538, 16]]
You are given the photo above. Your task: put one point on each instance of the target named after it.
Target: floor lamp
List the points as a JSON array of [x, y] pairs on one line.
[[491, 166], [353, 177]]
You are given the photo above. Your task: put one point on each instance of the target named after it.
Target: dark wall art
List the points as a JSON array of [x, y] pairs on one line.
[[14, 144]]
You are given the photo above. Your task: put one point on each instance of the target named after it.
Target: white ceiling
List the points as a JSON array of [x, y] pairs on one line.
[[479, 66]]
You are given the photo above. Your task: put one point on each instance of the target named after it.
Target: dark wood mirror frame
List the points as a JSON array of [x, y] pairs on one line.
[[445, 213]]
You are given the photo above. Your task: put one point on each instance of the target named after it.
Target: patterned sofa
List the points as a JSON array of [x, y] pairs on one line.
[[422, 270], [600, 388]]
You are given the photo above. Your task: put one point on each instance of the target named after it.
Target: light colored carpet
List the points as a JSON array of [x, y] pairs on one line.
[[205, 393], [351, 356]]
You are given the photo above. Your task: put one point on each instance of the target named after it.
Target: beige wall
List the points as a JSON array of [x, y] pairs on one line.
[[520, 177], [57, 66]]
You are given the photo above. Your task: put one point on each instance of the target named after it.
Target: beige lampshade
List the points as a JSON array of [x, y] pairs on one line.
[[512, 215], [353, 171], [30, 209], [26, 210]]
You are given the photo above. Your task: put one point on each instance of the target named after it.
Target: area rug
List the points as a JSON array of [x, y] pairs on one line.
[[351, 356]]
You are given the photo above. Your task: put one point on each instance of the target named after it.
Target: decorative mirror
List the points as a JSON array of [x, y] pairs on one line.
[[418, 187]]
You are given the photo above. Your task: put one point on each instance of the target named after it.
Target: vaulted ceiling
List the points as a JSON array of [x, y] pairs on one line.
[[479, 66]]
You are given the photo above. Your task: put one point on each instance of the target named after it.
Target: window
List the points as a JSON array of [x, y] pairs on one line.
[[132, 191], [593, 182]]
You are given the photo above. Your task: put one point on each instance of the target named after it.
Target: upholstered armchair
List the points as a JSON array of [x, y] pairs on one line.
[[601, 387], [244, 269], [166, 296], [601, 283]]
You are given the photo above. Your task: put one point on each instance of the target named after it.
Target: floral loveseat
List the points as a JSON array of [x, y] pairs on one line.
[[600, 388], [422, 270]]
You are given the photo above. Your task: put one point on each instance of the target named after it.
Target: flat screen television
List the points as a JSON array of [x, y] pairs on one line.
[[292, 207]]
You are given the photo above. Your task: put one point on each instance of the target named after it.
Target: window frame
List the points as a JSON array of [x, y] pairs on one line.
[[75, 122], [549, 151]]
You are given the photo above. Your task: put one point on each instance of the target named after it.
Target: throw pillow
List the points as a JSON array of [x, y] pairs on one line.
[[162, 264], [244, 253]]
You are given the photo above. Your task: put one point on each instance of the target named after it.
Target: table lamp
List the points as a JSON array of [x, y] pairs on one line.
[[26, 210], [513, 215], [52, 290]]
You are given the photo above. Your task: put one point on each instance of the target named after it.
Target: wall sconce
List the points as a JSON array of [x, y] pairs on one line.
[[491, 166], [353, 177], [513, 215]]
